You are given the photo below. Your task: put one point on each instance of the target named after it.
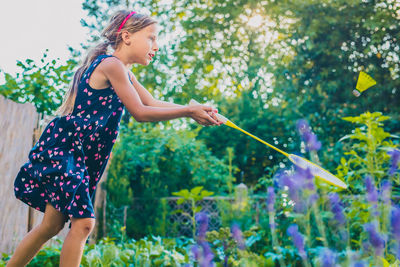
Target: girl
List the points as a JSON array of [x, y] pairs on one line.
[[68, 160]]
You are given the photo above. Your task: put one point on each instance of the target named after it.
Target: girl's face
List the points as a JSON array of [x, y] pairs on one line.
[[143, 45]]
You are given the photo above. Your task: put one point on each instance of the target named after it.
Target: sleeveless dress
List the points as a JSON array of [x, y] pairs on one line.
[[70, 156]]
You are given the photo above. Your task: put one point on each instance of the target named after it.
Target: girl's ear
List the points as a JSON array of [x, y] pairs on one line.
[[126, 37]]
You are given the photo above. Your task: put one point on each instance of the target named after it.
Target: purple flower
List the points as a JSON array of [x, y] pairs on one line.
[[375, 239], [302, 126], [202, 220], [308, 136], [328, 258], [208, 256], [298, 240], [385, 192], [395, 154], [312, 141], [395, 222], [293, 186], [337, 208], [270, 199], [372, 194], [306, 177], [298, 181], [294, 190], [313, 198], [202, 254], [196, 252], [237, 234]]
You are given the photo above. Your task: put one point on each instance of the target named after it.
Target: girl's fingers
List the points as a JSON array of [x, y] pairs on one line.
[[212, 120]]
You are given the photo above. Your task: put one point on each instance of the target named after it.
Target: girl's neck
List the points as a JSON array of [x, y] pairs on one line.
[[122, 59]]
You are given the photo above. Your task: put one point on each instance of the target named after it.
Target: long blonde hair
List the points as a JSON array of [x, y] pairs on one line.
[[135, 23]]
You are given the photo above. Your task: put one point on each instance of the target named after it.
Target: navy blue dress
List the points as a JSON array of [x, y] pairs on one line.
[[70, 156]]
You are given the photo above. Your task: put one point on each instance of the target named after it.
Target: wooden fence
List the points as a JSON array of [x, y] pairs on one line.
[[21, 126]]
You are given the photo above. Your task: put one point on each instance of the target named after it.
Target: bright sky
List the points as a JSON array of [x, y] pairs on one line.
[[28, 27]]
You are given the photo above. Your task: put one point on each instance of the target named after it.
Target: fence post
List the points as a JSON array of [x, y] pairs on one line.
[[125, 214]]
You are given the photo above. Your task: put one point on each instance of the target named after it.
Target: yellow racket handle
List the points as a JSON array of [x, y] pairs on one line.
[[255, 137], [231, 124]]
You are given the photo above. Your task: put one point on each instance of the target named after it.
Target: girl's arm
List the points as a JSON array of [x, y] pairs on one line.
[[149, 100], [115, 72]]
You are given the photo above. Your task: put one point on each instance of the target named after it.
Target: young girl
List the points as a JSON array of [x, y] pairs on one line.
[[68, 160]]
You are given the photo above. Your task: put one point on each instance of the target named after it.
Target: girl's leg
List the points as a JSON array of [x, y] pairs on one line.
[[52, 223], [74, 243]]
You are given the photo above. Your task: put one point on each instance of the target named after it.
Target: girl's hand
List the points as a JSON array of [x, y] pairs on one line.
[[204, 115]]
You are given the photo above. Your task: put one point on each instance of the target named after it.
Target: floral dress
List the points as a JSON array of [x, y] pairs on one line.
[[69, 158]]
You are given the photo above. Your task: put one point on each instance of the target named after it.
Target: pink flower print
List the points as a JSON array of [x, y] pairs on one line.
[[88, 102], [79, 106], [90, 93], [80, 212], [95, 111], [77, 197], [84, 206], [85, 90]]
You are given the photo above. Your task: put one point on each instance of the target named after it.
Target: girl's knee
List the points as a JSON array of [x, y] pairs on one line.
[[50, 230], [83, 226]]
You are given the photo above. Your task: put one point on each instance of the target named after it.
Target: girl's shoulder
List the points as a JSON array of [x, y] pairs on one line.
[[111, 65]]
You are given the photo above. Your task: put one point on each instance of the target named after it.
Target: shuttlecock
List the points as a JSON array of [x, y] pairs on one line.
[[363, 83]]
